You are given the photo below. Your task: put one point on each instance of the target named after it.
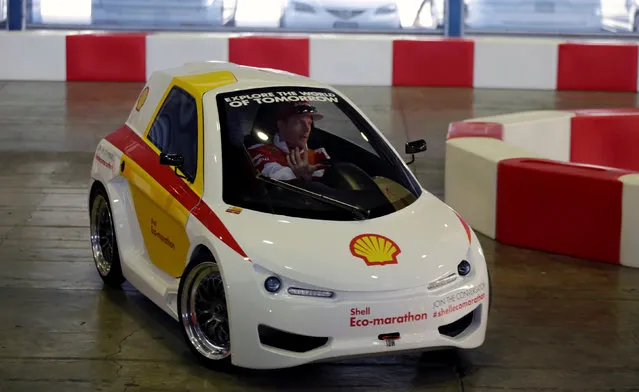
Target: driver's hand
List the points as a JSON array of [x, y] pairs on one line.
[[298, 162]]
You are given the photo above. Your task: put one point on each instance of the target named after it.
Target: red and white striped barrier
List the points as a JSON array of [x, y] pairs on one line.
[[556, 181], [357, 59]]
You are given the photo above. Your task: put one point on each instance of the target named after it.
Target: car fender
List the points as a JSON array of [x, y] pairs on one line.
[[238, 274], [106, 162], [105, 167], [201, 235]]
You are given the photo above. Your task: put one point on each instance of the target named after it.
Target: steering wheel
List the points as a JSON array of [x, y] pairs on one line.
[[347, 176]]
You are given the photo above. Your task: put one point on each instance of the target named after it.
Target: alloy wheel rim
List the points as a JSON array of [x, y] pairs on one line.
[[102, 235], [204, 312]]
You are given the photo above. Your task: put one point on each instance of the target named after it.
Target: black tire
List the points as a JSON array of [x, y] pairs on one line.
[[201, 298], [104, 244]]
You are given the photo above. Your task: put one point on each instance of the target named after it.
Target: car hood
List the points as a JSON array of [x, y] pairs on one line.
[[409, 248]]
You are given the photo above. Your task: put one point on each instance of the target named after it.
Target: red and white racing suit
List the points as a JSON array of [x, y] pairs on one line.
[[270, 159]]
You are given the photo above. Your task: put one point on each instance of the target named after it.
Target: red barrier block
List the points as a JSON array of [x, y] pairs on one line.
[[606, 140], [283, 53], [561, 208], [602, 67], [475, 129], [117, 57], [437, 63]]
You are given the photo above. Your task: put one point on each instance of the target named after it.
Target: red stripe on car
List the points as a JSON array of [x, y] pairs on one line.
[[466, 227], [132, 145]]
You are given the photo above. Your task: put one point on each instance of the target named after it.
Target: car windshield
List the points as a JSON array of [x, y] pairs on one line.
[[305, 152]]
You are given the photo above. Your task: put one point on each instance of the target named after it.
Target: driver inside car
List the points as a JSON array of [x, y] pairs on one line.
[[287, 156]]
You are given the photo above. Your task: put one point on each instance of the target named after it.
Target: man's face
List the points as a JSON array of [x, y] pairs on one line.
[[296, 130]]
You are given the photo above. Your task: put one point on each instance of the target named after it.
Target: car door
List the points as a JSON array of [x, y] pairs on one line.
[[164, 196]]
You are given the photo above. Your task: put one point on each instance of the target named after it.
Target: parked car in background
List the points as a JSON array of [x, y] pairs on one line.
[[534, 15], [259, 13], [163, 12], [431, 14], [620, 15], [341, 14]]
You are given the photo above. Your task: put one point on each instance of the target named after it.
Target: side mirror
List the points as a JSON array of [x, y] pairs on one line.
[[414, 147], [176, 160]]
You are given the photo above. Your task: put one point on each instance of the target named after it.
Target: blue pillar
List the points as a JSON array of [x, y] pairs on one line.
[[454, 25], [15, 14]]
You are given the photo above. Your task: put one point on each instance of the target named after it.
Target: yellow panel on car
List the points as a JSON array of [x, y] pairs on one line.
[[201, 83], [162, 220]]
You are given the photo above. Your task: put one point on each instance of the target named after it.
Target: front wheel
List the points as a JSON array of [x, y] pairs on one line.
[[203, 314]]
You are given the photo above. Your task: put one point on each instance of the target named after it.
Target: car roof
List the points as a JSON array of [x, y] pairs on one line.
[[200, 77], [242, 73]]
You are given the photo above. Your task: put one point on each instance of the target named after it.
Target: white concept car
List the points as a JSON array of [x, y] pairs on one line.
[[267, 215]]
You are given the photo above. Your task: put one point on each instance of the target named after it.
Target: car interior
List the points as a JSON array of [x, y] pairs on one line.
[[339, 149], [351, 176]]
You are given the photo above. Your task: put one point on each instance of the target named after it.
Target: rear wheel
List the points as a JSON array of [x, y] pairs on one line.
[[103, 240], [203, 314]]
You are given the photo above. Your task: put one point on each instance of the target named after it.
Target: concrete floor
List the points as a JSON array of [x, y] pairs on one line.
[[558, 324]]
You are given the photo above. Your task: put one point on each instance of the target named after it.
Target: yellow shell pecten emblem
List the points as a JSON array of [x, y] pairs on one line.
[[375, 249], [142, 99]]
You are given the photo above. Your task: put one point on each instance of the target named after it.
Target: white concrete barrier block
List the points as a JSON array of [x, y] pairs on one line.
[[470, 177], [544, 132], [169, 50], [629, 255], [516, 63], [33, 55], [366, 61], [547, 134]]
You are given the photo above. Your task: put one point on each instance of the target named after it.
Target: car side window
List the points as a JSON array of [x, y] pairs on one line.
[[175, 128]]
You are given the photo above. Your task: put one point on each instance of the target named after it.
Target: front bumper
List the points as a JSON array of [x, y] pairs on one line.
[[281, 330]]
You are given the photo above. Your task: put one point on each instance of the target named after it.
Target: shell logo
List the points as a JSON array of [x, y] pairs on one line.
[[375, 249], [142, 99]]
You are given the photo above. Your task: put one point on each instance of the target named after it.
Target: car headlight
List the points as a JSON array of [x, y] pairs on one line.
[[275, 284], [463, 268], [272, 284], [434, 285], [387, 9], [302, 7], [310, 293]]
